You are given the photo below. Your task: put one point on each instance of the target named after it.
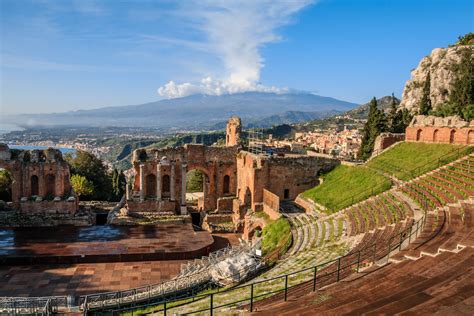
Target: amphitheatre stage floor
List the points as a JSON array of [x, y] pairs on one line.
[[71, 245], [88, 278]]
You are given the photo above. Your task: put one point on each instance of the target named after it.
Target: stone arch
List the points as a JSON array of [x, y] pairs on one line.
[[150, 185], [435, 135], [165, 184], [419, 135], [253, 231], [226, 184], [50, 184], [470, 137], [452, 136], [34, 185]]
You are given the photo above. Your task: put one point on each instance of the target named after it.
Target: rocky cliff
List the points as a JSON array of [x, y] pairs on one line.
[[441, 65]]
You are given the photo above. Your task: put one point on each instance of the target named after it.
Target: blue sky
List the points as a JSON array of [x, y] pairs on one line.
[[65, 55]]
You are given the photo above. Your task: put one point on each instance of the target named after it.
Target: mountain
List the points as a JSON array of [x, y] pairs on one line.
[[362, 111], [194, 112], [443, 67]]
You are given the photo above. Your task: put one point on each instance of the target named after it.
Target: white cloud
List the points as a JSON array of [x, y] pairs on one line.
[[235, 31]]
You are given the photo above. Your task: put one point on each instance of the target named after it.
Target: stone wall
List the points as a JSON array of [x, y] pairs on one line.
[[224, 204], [271, 204], [385, 140], [447, 130], [233, 131], [41, 180], [161, 176], [285, 177]]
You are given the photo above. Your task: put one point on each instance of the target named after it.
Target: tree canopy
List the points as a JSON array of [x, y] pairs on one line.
[[92, 168]]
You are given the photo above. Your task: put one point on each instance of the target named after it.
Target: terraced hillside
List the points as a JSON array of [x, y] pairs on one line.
[[407, 160], [346, 185], [432, 271]]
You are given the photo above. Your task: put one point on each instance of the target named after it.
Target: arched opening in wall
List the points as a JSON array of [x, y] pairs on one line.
[[165, 186], [226, 185], [248, 198], [435, 136], [34, 184], [419, 135], [470, 137], [50, 186], [452, 136], [286, 194], [150, 186], [6, 181], [197, 187], [255, 233]]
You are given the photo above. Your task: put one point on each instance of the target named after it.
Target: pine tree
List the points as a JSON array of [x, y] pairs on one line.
[[376, 124], [425, 102]]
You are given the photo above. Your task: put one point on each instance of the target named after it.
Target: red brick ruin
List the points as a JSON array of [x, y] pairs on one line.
[[447, 130], [40, 181]]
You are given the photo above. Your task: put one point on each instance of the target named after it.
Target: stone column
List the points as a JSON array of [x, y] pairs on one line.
[[183, 183], [41, 181], [142, 182], [158, 182], [172, 182], [184, 170]]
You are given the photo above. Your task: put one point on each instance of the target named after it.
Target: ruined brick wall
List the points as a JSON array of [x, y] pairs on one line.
[[161, 176], [286, 177], [233, 131], [447, 130], [385, 140], [225, 204], [271, 204], [39, 176]]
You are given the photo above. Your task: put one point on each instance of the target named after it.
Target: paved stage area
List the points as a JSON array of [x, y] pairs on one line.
[[70, 245], [87, 278]]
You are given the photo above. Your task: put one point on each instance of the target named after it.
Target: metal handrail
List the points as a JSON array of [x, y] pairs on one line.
[[363, 255]]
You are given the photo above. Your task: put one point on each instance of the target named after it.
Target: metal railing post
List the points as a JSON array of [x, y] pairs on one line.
[[338, 268], [164, 309], [314, 278], [375, 252], [212, 304], [358, 262], [401, 242], [251, 297], [286, 287]]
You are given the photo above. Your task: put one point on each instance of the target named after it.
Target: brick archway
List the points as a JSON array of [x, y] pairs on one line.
[[452, 136], [150, 186], [419, 135], [435, 135], [171, 166], [470, 137]]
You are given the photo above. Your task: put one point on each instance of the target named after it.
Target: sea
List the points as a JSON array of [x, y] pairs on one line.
[[30, 147]]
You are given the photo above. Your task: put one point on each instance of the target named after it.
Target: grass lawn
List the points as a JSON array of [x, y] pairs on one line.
[[276, 236], [346, 185], [408, 160]]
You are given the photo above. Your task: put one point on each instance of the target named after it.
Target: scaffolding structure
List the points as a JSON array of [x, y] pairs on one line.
[[256, 141]]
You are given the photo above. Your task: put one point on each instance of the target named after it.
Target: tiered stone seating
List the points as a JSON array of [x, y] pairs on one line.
[[440, 278], [379, 211], [446, 185]]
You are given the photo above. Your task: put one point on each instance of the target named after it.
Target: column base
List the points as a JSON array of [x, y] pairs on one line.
[[184, 210]]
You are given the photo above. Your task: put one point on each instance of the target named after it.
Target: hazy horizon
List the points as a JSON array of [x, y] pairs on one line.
[[59, 56]]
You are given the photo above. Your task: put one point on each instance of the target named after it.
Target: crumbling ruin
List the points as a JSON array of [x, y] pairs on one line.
[[40, 181]]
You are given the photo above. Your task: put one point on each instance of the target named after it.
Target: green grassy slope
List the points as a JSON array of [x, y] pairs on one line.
[[346, 185], [408, 160]]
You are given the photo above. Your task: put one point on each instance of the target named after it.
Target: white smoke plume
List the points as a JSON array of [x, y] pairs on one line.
[[236, 31]]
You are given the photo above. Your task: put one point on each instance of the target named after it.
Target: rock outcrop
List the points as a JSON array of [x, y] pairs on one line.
[[440, 64]]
